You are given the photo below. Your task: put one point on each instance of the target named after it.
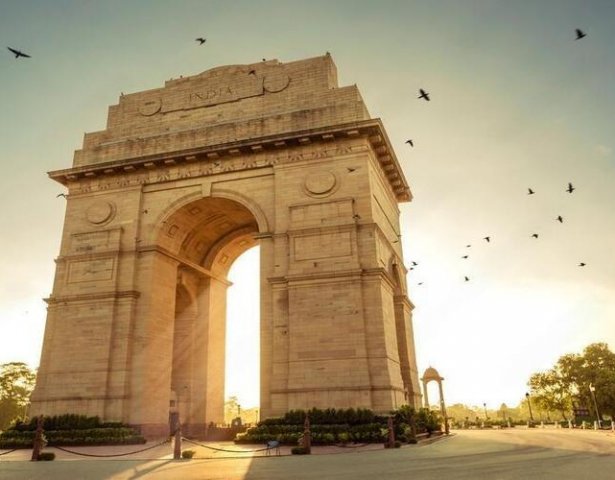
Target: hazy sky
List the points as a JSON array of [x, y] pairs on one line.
[[516, 103]]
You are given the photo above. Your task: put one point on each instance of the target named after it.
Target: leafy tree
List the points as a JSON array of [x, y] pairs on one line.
[[16, 385], [569, 381], [551, 392]]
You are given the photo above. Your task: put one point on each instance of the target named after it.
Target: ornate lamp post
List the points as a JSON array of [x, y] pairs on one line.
[[592, 391], [529, 405]]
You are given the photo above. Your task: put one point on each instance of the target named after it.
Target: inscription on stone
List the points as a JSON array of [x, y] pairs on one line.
[[90, 270]]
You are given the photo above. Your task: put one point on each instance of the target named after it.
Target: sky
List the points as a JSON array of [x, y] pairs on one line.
[[516, 103]]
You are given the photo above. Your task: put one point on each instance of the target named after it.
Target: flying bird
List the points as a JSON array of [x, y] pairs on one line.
[[420, 283], [530, 191], [61, 195], [465, 256], [560, 219], [414, 264], [201, 40], [410, 142], [570, 188], [468, 246], [350, 170], [582, 264], [466, 279], [18, 54], [580, 34], [423, 94], [535, 235], [487, 238]]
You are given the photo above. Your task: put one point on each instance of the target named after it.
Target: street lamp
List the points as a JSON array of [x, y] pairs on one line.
[[485, 409], [529, 405], [592, 391]]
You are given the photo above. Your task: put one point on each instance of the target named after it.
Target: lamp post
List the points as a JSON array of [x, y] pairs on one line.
[[592, 391], [529, 405], [485, 409]]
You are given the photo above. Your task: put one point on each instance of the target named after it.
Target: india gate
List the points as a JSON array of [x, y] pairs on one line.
[[182, 181]]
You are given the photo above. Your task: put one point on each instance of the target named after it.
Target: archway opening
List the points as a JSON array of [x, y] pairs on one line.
[[202, 240], [242, 376]]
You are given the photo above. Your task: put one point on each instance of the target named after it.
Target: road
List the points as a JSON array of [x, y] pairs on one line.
[[491, 455]]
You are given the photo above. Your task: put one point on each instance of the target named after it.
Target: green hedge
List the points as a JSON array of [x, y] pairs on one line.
[[67, 421], [331, 426], [75, 437]]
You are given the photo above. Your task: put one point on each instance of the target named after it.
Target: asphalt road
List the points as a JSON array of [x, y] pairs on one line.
[[493, 455]]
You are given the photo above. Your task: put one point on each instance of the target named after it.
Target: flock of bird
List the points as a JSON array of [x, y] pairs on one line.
[[424, 95]]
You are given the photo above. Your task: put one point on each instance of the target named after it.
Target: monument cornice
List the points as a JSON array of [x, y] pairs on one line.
[[371, 129]]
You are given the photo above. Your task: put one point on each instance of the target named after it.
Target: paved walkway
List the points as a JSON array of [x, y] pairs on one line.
[[491, 455]]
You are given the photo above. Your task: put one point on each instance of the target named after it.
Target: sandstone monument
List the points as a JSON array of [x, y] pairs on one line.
[[182, 181]]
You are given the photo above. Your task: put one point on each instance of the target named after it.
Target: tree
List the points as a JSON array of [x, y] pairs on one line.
[[551, 392], [16, 385], [568, 382], [231, 409]]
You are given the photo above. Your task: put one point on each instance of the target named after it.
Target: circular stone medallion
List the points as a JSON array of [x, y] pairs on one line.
[[150, 107], [276, 83], [100, 212], [320, 183]]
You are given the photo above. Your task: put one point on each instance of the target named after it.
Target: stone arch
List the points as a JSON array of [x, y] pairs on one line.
[[183, 179]]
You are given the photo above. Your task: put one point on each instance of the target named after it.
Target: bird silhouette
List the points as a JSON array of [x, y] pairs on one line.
[[466, 279], [582, 264], [570, 188], [424, 95], [487, 238], [468, 246], [560, 219], [350, 170], [414, 264], [252, 72], [410, 142], [465, 256], [420, 283], [530, 191], [356, 216], [580, 34], [61, 195], [18, 54], [201, 40], [535, 235]]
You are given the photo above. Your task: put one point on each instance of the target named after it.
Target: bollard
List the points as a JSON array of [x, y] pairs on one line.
[[595, 425], [570, 424], [307, 435], [391, 434], [37, 444], [542, 424], [612, 425], [177, 435], [583, 425]]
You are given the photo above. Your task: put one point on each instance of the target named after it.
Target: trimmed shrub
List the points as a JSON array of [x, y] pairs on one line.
[[298, 451], [188, 454], [93, 436], [46, 456]]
